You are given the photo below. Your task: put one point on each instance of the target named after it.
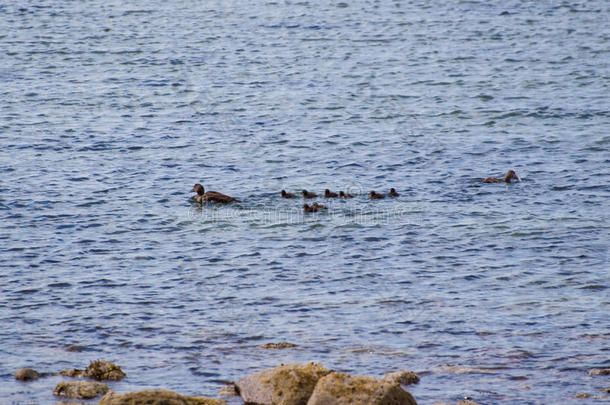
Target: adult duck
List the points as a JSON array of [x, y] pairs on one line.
[[507, 178], [393, 193], [330, 194], [308, 194], [307, 209], [345, 195], [319, 206], [211, 196], [376, 196], [287, 195]]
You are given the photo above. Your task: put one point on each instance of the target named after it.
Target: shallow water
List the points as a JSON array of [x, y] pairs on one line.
[[111, 111]]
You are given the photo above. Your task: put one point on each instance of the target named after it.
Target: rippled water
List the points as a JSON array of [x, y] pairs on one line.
[[112, 110]]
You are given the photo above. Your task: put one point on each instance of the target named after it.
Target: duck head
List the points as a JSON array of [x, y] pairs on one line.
[[198, 188], [511, 175]]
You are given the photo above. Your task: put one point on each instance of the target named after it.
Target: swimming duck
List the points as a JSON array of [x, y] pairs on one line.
[[307, 209], [375, 196], [509, 175], [211, 196], [345, 195], [319, 206], [393, 193], [330, 194], [287, 195], [307, 194]]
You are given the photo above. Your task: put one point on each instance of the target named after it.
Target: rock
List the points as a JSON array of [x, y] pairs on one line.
[[80, 389], [583, 395], [102, 370], [156, 397], [599, 371], [229, 390], [26, 374], [281, 345], [467, 402], [606, 390], [402, 377], [72, 372], [344, 389], [290, 384]]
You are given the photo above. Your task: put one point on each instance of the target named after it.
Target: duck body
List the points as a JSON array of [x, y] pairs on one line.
[[376, 196], [330, 194], [345, 195], [507, 178], [308, 209], [393, 193], [319, 206], [287, 195], [211, 196], [307, 194]]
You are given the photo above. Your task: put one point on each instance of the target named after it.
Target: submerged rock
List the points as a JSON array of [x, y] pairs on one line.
[[599, 371], [156, 397], [290, 384], [80, 389], [344, 389], [404, 377], [229, 390], [281, 345], [26, 374], [72, 372]]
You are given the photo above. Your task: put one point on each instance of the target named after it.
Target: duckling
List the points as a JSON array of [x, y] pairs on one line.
[[509, 175], [307, 209], [330, 194], [287, 195], [375, 196], [307, 194], [211, 196], [345, 195], [319, 206], [393, 193]]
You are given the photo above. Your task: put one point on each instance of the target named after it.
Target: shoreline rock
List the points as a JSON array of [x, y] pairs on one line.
[[99, 370], [27, 374], [149, 397], [80, 389]]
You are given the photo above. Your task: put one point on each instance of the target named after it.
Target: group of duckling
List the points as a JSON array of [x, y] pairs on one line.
[[330, 194], [213, 196]]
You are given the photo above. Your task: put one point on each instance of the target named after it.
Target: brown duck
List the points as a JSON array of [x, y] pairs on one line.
[[393, 193], [307, 208], [330, 194], [211, 196], [287, 195], [307, 194], [319, 206], [345, 195], [507, 178], [376, 196]]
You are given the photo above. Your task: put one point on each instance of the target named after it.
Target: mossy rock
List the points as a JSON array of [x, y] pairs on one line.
[[80, 389], [102, 370], [344, 389], [27, 374], [156, 397], [402, 377], [290, 384], [72, 372]]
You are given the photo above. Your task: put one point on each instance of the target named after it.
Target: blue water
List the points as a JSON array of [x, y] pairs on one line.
[[110, 111]]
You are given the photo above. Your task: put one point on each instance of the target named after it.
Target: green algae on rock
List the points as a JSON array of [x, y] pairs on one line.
[[26, 374], [80, 389], [156, 397], [290, 384], [344, 389]]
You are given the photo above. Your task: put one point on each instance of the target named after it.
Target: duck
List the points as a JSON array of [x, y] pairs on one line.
[[345, 195], [319, 206], [393, 193], [307, 194], [330, 194], [375, 196], [507, 178], [307, 209], [287, 195], [211, 196]]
